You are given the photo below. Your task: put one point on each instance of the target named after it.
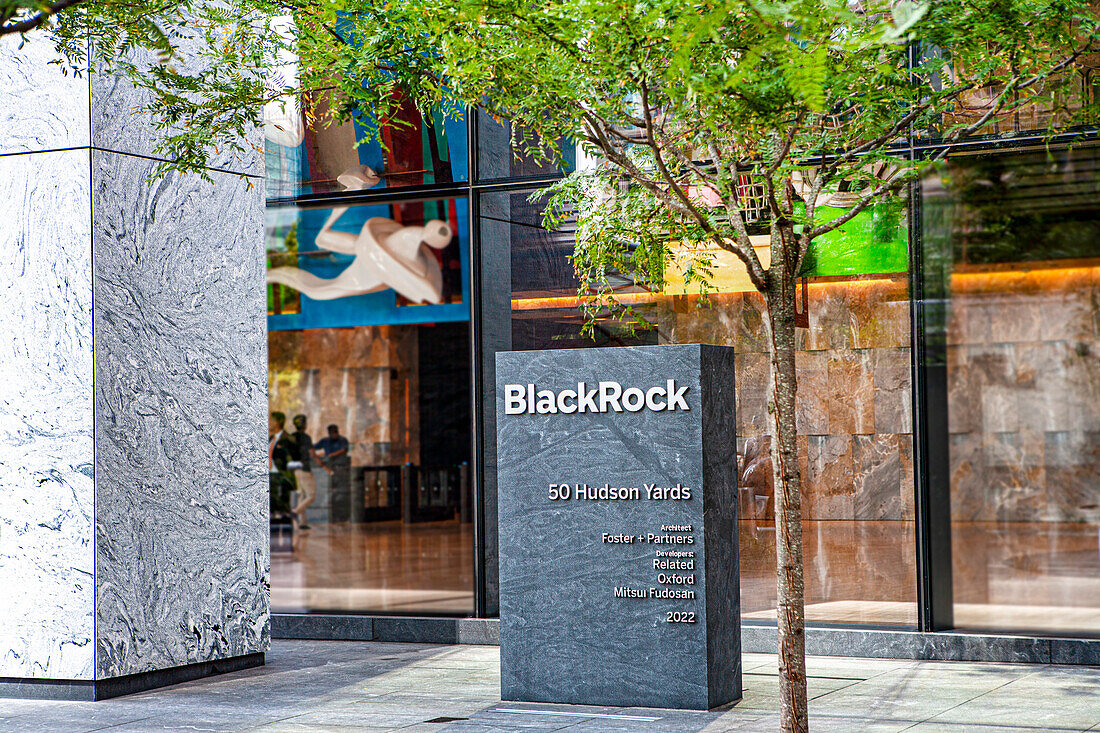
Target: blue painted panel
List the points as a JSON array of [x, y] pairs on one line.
[[373, 309]]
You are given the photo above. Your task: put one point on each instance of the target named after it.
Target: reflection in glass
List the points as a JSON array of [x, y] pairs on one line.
[[385, 255], [292, 242], [1075, 103], [503, 152], [855, 423], [1013, 241], [410, 149]]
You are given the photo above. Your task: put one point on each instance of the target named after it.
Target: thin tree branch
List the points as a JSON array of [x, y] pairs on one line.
[[617, 156], [788, 140], [811, 207], [716, 236], [904, 175], [332, 32], [999, 104], [678, 201], [743, 249], [892, 184]]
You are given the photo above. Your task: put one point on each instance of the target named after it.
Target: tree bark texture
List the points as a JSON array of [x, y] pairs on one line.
[[782, 391]]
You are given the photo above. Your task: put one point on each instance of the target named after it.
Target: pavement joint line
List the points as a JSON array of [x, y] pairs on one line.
[[125, 722], [851, 683], [978, 727], [639, 718], [964, 702]]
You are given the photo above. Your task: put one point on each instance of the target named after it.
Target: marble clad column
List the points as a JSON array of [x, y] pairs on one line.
[[133, 484]]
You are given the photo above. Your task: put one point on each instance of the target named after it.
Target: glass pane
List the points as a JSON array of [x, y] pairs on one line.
[[855, 421], [500, 153], [1076, 88], [369, 390], [414, 150], [1015, 237]]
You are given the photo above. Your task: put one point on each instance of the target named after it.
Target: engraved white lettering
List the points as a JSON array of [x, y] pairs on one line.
[[563, 405], [587, 399], [676, 396], [673, 564], [682, 593], [607, 492], [679, 492], [652, 400], [546, 402], [608, 396], [633, 399], [624, 592]]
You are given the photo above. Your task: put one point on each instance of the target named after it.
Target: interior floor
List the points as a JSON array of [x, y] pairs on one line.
[[1014, 576]]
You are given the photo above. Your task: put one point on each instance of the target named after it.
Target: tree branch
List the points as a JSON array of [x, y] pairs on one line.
[[904, 175], [1012, 86], [788, 140], [811, 207], [743, 249], [892, 184], [29, 24]]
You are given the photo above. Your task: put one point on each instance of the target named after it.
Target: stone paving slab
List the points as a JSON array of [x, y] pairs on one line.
[[369, 687]]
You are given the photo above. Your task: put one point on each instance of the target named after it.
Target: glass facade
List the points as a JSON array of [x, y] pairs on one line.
[[856, 447], [1014, 239], [372, 389], [947, 367], [414, 150]]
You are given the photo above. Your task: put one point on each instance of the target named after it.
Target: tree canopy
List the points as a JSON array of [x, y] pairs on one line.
[[721, 113]]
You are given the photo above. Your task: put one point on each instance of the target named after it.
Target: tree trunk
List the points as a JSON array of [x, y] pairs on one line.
[[782, 389]]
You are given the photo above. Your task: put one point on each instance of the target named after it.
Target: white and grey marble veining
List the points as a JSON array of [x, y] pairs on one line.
[[41, 107], [181, 528], [46, 487], [119, 124]]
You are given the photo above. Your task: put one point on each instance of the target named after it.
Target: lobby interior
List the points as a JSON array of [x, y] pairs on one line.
[[1005, 264]]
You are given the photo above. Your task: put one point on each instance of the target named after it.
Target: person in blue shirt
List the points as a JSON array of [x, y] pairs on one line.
[[333, 454], [333, 449]]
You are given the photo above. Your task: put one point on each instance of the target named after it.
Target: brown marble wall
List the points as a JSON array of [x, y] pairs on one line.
[[854, 405], [1024, 379], [365, 380]]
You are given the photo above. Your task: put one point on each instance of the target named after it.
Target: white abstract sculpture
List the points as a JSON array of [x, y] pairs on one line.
[[387, 255]]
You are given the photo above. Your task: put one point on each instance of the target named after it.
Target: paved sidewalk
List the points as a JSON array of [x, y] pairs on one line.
[[312, 686]]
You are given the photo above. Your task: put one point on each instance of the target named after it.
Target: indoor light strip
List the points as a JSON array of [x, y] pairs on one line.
[[575, 715], [573, 301]]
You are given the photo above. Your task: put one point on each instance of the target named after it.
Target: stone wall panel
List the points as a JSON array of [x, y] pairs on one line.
[[182, 559], [46, 479]]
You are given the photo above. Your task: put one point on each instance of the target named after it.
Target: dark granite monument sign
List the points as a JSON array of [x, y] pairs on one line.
[[617, 478]]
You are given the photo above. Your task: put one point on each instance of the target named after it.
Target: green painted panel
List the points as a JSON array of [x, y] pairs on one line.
[[873, 242]]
